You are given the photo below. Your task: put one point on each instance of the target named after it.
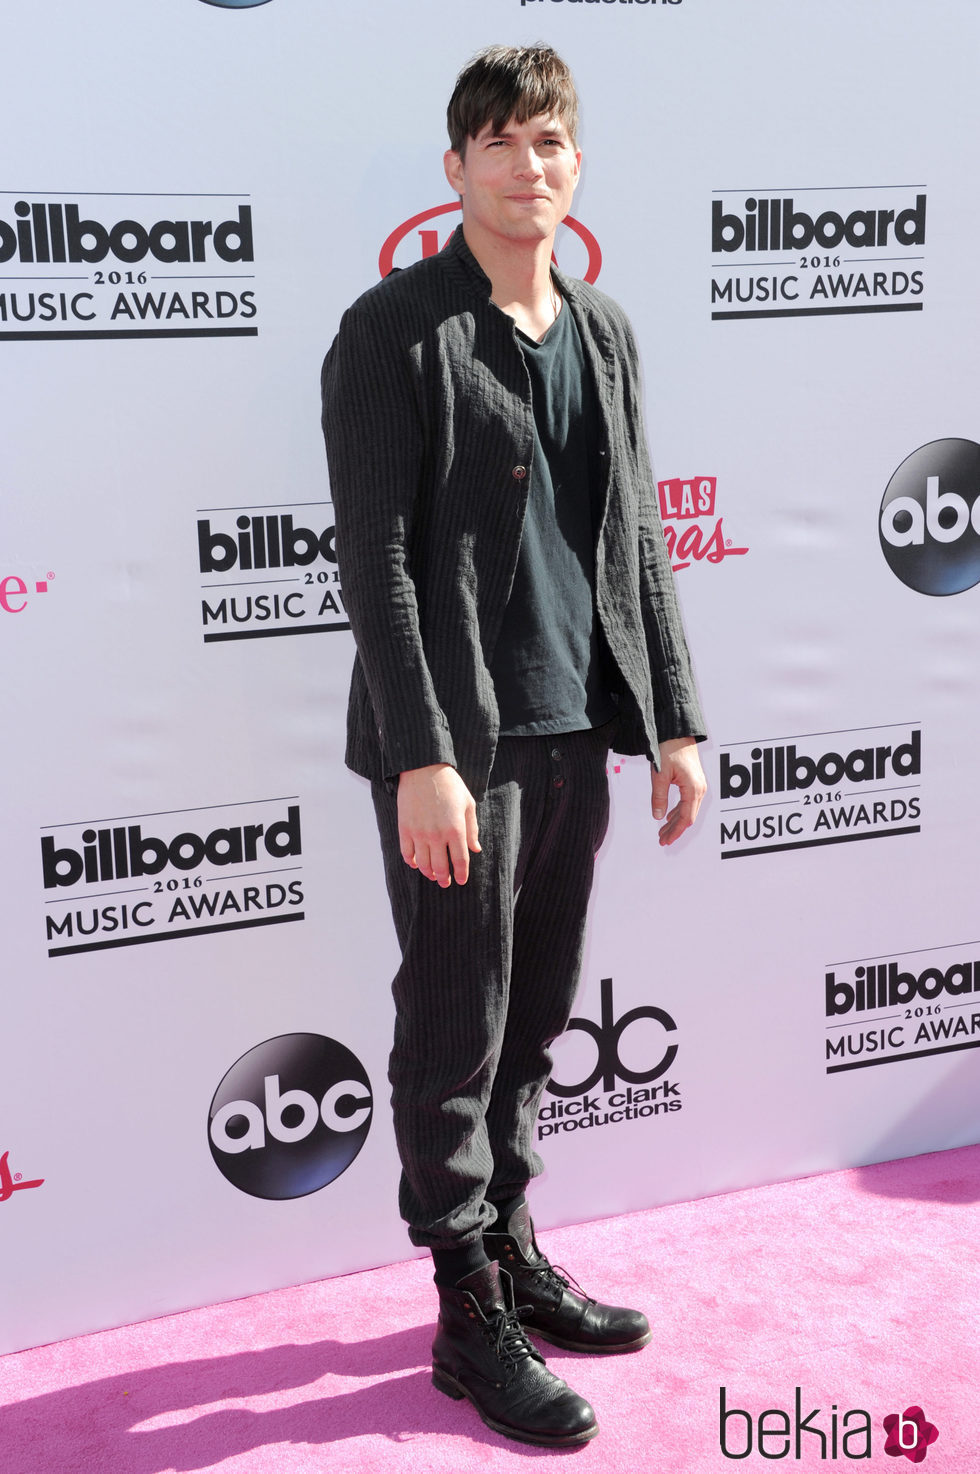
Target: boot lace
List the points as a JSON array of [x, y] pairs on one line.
[[557, 1279], [510, 1342]]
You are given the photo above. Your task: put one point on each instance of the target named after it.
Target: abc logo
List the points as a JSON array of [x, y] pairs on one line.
[[290, 1116], [930, 518]]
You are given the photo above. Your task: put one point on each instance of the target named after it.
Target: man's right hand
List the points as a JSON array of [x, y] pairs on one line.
[[437, 826]]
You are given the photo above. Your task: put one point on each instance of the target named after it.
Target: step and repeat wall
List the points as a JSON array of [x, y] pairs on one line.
[[196, 944]]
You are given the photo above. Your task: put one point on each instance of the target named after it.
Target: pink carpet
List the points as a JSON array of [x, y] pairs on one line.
[[858, 1287]]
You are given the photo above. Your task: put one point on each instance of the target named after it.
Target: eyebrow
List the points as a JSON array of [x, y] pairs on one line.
[[554, 129]]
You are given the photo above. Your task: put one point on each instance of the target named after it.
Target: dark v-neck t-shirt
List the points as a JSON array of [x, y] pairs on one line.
[[547, 667]]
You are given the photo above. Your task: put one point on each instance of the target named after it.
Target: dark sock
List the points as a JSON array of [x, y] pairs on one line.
[[505, 1207], [452, 1265]]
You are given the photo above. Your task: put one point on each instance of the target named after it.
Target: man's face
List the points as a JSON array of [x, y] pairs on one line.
[[516, 184]]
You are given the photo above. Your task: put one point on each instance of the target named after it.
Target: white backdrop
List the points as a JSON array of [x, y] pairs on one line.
[[161, 382]]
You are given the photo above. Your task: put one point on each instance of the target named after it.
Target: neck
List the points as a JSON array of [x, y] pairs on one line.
[[520, 279]]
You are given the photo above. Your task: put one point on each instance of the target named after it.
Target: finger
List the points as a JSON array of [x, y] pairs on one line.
[[406, 844], [435, 864], [696, 803], [423, 859], [460, 856], [472, 832], [660, 793], [679, 819]]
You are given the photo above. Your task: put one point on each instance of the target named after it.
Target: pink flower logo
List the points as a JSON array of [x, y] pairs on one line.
[[909, 1434]]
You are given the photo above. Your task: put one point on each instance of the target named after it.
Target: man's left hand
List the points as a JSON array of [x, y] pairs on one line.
[[680, 765]]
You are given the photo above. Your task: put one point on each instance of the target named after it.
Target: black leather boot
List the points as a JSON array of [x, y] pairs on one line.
[[481, 1352], [559, 1311]]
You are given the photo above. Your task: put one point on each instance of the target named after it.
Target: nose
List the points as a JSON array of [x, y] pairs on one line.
[[527, 164]]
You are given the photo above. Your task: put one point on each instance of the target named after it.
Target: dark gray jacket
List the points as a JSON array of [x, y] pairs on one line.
[[429, 433]]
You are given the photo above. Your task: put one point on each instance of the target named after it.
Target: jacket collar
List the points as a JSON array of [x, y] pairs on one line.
[[458, 253]]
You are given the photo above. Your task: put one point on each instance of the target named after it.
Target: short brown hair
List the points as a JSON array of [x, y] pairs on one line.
[[504, 82]]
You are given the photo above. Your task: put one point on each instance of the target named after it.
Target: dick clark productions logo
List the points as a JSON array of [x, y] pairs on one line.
[[290, 1116]]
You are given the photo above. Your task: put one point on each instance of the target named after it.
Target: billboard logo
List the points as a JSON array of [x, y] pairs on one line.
[[185, 872], [238, 548], [902, 1007], [53, 233], [791, 254], [823, 788], [929, 525], [122, 250], [290, 1116], [777, 225]]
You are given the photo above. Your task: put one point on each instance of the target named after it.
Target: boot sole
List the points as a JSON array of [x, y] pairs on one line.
[[588, 1348], [443, 1382]]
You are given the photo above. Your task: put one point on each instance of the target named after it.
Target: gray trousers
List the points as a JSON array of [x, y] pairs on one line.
[[488, 976]]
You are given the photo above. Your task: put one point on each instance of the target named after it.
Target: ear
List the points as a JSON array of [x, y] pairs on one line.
[[453, 165], [578, 167]]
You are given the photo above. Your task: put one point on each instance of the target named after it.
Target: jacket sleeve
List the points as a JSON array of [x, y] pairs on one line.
[[375, 439], [678, 711]]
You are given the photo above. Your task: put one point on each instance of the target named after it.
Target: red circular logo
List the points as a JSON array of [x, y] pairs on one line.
[[429, 242]]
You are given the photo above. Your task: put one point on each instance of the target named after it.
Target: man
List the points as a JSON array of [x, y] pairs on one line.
[[511, 600]]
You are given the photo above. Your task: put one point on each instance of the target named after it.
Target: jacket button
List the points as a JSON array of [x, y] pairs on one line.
[[519, 472]]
